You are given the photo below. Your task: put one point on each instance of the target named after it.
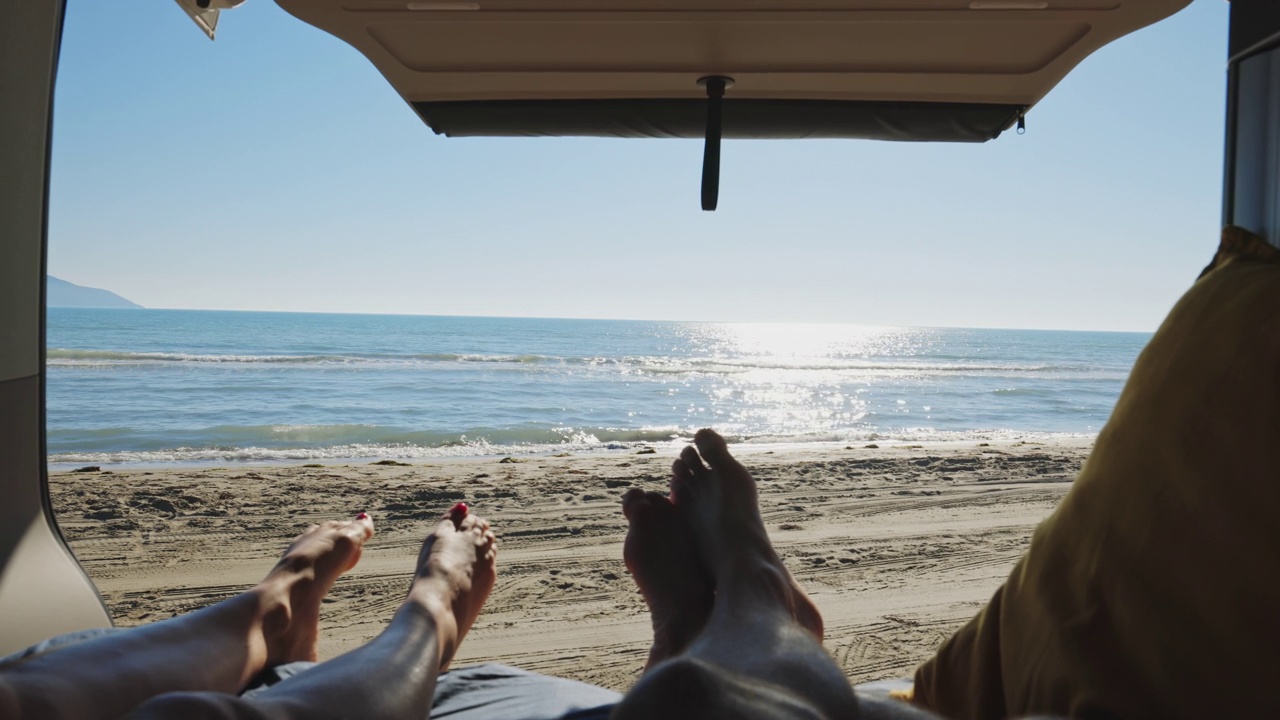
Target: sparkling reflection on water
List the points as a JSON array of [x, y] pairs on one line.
[[156, 385]]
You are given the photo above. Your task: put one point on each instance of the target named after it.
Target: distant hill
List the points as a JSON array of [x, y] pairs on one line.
[[64, 294]]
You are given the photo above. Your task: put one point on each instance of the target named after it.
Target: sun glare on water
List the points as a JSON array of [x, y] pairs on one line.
[[811, 342], [793, 378]]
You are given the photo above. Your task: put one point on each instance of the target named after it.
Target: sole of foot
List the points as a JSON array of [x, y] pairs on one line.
[[660, 551]]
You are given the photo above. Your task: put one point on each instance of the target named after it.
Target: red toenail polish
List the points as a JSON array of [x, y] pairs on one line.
[[458, 512], [362, 515]]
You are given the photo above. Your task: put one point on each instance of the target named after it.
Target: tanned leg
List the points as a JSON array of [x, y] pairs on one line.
[[394, 675], [218, 649]]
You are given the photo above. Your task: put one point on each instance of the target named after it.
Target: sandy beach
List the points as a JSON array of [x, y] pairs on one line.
[[898, 545]]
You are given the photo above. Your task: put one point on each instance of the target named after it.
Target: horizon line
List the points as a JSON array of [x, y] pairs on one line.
[[609, 319]]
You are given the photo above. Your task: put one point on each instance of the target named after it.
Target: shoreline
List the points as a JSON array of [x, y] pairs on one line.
[[898, 545], [607, 450]]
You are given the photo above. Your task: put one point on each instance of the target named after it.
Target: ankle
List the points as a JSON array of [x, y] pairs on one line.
[[263, 614], [756, 579], [434, 597], [430, 590]]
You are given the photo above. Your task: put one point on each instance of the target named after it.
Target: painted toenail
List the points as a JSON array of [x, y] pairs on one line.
[[362, 515], [458, 512]]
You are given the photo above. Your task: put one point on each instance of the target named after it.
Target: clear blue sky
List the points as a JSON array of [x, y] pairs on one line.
[[275, 169]]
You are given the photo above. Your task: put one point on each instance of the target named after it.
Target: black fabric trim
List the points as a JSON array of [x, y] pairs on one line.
[[1253, 23], [743, 118]]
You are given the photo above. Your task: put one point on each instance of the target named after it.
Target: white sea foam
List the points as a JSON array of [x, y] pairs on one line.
[[61, 356], [574, 442]]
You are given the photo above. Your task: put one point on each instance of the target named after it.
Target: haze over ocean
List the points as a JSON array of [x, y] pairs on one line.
[[162, 386]]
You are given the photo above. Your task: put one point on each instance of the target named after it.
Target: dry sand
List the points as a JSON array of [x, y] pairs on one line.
[[897, 545]]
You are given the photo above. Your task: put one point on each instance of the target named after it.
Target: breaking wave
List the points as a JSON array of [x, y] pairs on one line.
[[279, 443], [59, 356]]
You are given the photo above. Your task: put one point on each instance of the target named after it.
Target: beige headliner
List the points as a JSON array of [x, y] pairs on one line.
[[913, 50]]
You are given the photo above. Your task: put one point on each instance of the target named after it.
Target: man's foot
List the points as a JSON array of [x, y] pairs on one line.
[[717, 497], [294, 589], [456, 571], [661, 554]]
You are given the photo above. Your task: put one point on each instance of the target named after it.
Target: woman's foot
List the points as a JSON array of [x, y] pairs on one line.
[[293, 590], [661, 555], [717, 498], [456, 571]]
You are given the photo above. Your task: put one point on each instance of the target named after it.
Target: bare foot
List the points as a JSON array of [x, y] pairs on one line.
[[456, 571], [661, 554], [718, 499], [298, 583]]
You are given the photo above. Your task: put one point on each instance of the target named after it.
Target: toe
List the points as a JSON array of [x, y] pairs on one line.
[[458, 513], [446, 527], [658, 514], [655, 497], [691, 460], [361, 528], [680, 469], [664, 517], [680, 488], [660, 503], [633, 502], [713, 448], [470, 522]]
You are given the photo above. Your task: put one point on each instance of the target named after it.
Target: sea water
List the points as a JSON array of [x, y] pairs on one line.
[[162, 386]]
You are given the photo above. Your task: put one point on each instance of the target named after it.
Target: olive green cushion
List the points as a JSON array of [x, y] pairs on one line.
[[1153, 591]]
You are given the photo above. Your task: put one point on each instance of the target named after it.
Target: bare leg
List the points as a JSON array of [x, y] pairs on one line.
[[757, 657], [219, 648], [394, 675]]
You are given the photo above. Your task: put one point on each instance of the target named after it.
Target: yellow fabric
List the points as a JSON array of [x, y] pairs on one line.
[[1153, 591]]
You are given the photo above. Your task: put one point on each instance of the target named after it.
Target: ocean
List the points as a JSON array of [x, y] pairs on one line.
[[187, 386]]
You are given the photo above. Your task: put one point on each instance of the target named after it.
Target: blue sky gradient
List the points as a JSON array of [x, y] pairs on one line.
[[275, 169]]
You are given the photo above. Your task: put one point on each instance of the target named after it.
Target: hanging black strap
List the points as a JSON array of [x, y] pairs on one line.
[[711, 151]]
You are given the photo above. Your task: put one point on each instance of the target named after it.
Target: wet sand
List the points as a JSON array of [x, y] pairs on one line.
[[898, 545]]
